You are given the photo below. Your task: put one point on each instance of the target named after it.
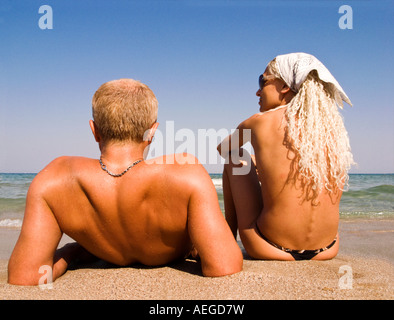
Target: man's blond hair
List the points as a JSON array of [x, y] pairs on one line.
[[123, 110], [315, 132]]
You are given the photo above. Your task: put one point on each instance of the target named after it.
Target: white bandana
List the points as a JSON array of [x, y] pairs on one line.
[[295, 67]]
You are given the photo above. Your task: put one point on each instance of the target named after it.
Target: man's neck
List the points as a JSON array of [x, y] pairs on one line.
[[118, 155]]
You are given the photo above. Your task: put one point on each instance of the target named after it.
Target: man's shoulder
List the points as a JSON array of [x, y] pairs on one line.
[[177, 162], [179, 166], [56, 172], [64, 165]]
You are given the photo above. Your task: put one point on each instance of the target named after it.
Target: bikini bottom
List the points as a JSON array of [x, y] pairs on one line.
[[297, 254]]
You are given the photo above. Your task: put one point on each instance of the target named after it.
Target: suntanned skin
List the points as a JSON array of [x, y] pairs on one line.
[[266, 198], [154, 214]]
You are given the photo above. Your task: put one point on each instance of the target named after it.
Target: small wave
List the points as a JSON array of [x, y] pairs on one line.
[[366, 214], [11, 207], [377, 193], [16, 223], [385, 188]]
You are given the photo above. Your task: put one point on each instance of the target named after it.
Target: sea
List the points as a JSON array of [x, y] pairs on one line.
[[368, 196]]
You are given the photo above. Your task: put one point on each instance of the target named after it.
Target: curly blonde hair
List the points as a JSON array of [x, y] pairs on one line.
[[316, 134]]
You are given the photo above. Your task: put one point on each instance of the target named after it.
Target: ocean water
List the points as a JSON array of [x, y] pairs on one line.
[[369, 196]]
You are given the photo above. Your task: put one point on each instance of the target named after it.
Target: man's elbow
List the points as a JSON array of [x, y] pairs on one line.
[[17, 275], [225, 269], [21, 279], [222, 271]]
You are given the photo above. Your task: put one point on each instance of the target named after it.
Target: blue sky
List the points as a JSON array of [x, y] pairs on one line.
[[201, 58]]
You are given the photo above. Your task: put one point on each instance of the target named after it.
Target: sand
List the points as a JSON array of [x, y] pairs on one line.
[[366, 259]]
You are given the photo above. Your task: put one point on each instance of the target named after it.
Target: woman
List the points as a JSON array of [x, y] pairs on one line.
[[287, 206]]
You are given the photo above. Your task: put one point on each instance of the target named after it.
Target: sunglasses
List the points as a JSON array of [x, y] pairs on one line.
[[263, 79]]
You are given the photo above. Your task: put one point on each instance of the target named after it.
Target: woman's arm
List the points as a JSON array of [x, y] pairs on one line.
[[236, 140]]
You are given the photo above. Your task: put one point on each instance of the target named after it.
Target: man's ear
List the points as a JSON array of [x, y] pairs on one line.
[[95, 130], [150, 133]]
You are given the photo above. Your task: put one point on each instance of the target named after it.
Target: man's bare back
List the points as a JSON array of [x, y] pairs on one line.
[[153, 213], [140, 217]]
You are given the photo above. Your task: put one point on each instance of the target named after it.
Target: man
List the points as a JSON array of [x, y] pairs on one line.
[[122, 208], [287, 206]]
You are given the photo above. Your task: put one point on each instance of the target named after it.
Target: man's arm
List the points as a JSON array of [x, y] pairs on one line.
[[219, 252], [35, 249]]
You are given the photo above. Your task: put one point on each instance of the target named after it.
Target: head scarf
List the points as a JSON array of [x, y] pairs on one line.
[[295, 67]]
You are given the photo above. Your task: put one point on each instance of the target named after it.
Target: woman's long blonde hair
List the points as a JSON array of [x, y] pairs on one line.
[[316, 134]]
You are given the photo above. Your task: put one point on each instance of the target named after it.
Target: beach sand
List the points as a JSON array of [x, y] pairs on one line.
[[366, 255]]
